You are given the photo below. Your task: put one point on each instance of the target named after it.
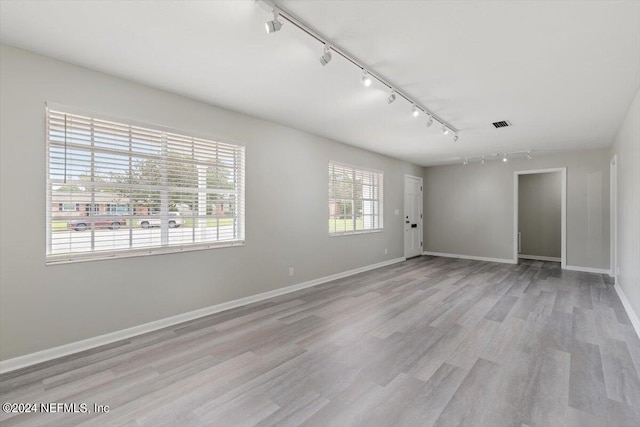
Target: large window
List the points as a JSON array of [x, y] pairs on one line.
[[355, 200], [137, 190]]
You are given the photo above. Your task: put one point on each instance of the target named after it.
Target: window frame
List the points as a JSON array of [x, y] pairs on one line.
[[97, 255], [379, 216]]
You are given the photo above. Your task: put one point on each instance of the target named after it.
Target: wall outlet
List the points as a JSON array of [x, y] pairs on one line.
[[290, 271], [385, 251]]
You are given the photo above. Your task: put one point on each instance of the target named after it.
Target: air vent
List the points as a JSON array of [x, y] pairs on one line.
[[502, 124]]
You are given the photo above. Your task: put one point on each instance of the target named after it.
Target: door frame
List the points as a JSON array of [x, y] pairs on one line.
[[563, 200], [613, 217], [421, 224]]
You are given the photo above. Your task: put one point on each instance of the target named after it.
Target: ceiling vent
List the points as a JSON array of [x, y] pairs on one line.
[[502, 124]]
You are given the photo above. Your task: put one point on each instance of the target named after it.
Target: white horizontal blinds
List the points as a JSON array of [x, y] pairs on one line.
[[206, 179], [134, 188], [355, 199]]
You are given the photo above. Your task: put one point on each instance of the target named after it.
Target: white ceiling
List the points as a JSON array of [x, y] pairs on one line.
[[563, 72]]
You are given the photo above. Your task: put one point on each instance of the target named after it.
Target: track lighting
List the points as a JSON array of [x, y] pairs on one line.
[[466, 161], [281, 15], [273, 26], [366, 79], [497, 156], [326, 56], [455, 137], [391, 97]]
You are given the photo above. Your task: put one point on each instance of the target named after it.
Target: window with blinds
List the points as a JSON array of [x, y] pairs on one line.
[[117, 189], [355, 200]]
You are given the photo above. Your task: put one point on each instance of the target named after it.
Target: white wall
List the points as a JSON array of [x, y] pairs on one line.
[[540, 214], [626, 147], [286, 223], [468, 209]]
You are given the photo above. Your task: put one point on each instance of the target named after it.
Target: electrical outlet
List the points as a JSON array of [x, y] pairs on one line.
[[385, 251], [290, 271]]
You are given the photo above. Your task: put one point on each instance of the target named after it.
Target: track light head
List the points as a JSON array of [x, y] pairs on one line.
[[430, 120], [529, 156], [392, 97], [482, 160], [273, 26], [466, 161], [366, 79], [504, 158], [415, 111], [455, 137], [326, 56], [444, 130]]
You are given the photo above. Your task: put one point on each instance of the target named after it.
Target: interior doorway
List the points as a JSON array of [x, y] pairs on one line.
[[412, 216], [540, 215]]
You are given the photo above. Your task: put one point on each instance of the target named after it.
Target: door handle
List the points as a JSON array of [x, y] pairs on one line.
[[414, 225], [407, 222]]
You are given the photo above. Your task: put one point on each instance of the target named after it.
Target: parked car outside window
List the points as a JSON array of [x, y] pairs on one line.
[[174, 220], [98, 221]]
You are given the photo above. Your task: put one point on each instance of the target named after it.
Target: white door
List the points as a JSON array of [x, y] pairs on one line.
[[412, 216]]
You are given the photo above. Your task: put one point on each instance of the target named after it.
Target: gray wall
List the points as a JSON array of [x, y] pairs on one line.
[[468, 210], [540, 214], [627, 148], [286, 223]]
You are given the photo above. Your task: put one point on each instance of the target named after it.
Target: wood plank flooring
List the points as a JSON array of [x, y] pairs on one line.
[[427, 342]]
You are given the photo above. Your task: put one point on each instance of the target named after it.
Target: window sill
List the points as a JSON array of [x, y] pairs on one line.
[[102, 256], [351, 233]]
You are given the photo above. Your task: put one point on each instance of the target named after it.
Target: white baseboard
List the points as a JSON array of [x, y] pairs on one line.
[[475, 258], [87, 344], [510, 261], [635, 321], [587, 269], [540, 258]]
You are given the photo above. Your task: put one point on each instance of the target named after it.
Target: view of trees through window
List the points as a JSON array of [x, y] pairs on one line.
[[147, 172], [355, 199], [137, 188]]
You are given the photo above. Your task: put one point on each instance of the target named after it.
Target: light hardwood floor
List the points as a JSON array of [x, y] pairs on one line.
[[428, 342]]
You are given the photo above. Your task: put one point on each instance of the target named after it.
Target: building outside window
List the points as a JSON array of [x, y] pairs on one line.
[[119, 189]]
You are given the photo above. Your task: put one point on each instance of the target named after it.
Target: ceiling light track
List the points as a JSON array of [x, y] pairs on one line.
[[278, 12], [504, 157]]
